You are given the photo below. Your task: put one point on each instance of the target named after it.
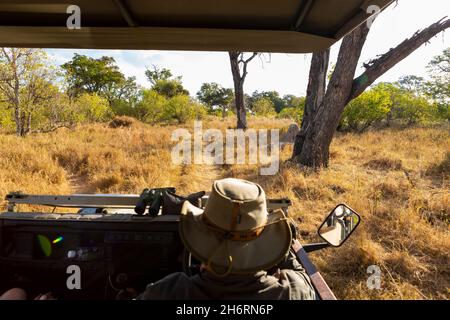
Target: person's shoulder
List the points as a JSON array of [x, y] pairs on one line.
[[166, 287], [176, 276], [299, 284], [292, 275]]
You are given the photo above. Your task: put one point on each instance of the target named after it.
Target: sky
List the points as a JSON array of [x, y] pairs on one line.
[[288, 73]]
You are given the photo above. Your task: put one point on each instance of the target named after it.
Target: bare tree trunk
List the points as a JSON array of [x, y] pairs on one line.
[[240, 107], [18, 114], [238, 90], [16, 93], [23, 128], [17, 117], [224, 111], [237, 58], [28, 127], [314, 139], [323, 114], [314, 94]]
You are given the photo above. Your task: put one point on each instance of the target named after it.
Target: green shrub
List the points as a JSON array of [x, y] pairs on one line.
[[121, 107], [155, 107], [6, 118], [293, 113], [181, 109], [91, 108], [370, 107], [55, 111], [170, 88], [263, 107], [411, 106], [413, 109], [443, 111], [151, 107]]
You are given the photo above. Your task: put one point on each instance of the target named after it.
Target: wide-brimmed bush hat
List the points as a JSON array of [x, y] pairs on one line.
[[235, 234]]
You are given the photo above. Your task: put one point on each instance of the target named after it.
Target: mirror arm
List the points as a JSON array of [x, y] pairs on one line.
[[315, 246]]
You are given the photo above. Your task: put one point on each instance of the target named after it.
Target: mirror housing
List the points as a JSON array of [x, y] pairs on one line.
[[339, 225]]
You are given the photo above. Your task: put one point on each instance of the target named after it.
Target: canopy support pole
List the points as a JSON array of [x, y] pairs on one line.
[[302, 14], [126, 14]]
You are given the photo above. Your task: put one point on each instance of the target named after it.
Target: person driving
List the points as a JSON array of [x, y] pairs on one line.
[[237, 240]]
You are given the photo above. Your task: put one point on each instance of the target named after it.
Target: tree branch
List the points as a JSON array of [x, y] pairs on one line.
[[251, 58], [245, 63], [377, 67], [53, 128]]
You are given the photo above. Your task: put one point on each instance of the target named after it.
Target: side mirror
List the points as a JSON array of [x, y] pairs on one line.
[[339, 225]]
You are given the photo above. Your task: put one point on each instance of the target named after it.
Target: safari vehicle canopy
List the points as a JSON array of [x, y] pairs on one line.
[[121, 250], [297, 26]]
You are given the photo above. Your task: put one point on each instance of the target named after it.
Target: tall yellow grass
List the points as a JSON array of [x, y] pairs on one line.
[[397, 179]]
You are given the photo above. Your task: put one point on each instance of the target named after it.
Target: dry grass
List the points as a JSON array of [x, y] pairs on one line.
[[123, 122], [397, 179]]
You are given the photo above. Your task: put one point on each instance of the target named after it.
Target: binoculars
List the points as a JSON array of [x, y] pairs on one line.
[[151, 198]]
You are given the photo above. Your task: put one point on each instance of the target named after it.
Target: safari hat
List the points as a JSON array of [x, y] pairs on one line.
[[235, 233]]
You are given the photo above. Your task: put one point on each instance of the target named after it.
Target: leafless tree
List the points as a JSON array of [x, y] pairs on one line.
[[239, 64]]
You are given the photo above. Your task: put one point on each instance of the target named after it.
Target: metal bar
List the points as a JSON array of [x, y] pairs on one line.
[[302, 14], [104, 200], [126, 14], [315, 246], [123, 217], [317, 280], [77, 201]]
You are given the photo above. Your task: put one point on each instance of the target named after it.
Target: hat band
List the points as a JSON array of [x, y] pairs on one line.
[[245, 235]]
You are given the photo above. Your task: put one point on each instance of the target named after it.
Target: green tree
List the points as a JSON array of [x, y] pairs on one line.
[[395, 92], [412, 109], [100, 76], [292, 113], [412, 83], [164, 83], [278, 102], [25, 83], [55, 112], [294, 101], [181, 109], [215, 96], [263, 107], [442, 111], [370, 107], [170, 88], [439, 86], [123, 95], [6, 115], [86, 74], [157, 74], [409, 105], [150, 109], [90, 107]]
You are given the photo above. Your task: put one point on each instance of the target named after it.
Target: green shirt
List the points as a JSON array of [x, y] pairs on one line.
[[291, 283]]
